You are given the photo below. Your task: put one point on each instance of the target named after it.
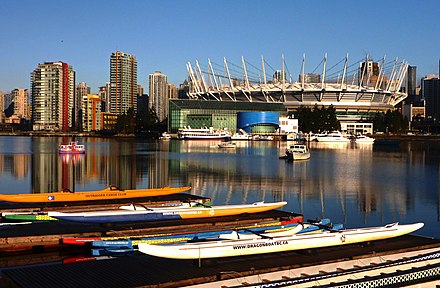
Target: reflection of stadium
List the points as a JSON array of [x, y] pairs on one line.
[[357, 91]]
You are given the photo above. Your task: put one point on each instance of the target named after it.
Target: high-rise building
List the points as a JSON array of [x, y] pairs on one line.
[[53, 96], [123, 82], [183, 90], [431, 93], [158, 96], [310, 78], [104, 94], [91, 107], [279, 76], [368, 73], [411, 84], [172, 91], [2, 107], [21, 103]]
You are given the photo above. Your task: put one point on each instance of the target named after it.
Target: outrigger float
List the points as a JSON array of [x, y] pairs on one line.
[[110, 193], [261, 245], [135, 213]]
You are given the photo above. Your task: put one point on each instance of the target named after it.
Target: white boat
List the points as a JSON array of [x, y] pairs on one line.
[[242, 247], [297, 152], [241, 135], [362, 139], [227, 145], [188, 133], [334, 136], [139, 214], [165, 136]]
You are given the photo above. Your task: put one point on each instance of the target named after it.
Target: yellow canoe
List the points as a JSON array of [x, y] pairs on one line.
[[110, 193]]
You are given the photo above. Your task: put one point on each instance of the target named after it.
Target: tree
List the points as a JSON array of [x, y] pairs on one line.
[[318, 119]]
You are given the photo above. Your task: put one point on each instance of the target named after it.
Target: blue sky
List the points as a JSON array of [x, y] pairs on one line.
[[164, 35]]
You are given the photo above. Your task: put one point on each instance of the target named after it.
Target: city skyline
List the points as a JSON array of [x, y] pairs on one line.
[[164, 36]]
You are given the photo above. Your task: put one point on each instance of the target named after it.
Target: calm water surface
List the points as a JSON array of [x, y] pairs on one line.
[[358, 185]]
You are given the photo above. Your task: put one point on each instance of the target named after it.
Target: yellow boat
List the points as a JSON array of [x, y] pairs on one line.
[[110, 193]]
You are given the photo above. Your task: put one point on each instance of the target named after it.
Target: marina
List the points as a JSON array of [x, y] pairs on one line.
[[331, 184]]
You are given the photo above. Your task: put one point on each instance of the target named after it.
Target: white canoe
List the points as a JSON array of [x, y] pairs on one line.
[[139, 214], [241, 247]]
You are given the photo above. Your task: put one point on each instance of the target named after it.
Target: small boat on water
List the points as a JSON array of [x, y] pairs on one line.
[[297, 152], [362, 139], [135, 213], [227, 145], [71, 148], [110, 193], [242, 247]]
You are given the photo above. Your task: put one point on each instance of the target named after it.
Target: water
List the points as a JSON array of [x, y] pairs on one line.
[[358, 185]]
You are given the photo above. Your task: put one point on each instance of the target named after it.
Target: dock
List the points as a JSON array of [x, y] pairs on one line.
[[138, 270], [32, 255]]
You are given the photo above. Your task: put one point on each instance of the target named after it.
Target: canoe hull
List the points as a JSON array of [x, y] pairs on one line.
[[180, 237], [117, 216], [100, 195], [230, 248]]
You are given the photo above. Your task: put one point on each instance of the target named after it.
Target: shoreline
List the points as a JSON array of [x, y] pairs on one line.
[[401, 137]]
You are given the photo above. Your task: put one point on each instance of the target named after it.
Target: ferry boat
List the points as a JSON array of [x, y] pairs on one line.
[[188, 133], [71, 148], [334, 136]]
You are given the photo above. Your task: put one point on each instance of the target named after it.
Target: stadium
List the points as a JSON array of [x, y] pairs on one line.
[[356, 90]]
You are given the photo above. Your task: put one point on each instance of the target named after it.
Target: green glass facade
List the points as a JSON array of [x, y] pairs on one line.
[[217, 114]]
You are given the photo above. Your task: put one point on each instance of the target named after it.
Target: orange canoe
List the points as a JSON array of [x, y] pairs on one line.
[[110, 193]]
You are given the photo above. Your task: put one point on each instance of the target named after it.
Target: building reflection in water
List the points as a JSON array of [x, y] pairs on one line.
[[339, 179]]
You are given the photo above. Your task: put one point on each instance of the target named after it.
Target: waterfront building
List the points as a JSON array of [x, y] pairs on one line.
[[288, 125], [140, 90], [357, 127], [108, 121], [225, 115], [172, 91], [91, 108], [104, 95], [123, 82], [2, 107], [183, 90], [411, 84], [81, 90], [21, 103], [158, 94], [431, 92], [53, 101]]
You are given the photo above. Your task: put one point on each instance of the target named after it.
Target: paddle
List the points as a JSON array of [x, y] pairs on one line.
[[320, 226], [256, 233]]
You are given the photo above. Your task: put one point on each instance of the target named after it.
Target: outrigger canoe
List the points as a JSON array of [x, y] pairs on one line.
[[230, 248], [164, 213], [172, 237], [110, 193]]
